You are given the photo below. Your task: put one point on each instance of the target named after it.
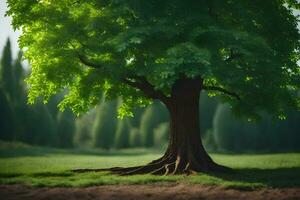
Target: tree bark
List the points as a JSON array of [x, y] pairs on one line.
[[185, 145]]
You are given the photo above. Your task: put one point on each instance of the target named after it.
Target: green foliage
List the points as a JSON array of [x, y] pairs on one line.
[[7, 74], [231, 44], [37, 124], [7, 94], [153, 115], [104, 127], [19, 74]]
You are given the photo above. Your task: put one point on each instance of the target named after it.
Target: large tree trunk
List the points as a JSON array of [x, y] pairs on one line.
[[185, 145], [185, 153]]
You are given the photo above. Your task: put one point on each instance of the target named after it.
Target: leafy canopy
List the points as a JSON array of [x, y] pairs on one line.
[[248, 47]]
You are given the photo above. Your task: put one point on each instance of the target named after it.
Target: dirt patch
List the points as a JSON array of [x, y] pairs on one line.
[[145, 192]]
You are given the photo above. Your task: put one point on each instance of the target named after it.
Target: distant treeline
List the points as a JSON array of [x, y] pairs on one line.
[[44, 124], [36, 124]]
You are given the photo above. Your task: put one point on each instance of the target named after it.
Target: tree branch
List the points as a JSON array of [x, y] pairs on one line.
[[148, 89], [233, 55], [84, 60], [141, 83], [220, 89]]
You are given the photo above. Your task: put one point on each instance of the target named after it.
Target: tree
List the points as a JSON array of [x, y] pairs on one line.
[[6, 92], [7, 74], [40, 126], [161, 134], [6, 118], [83, 134], [208, 107], [18, 72], [237, 134], [104, 127], [151, 118], [231, 134], [164, 50], [135, 137], [19, 96], [122, 134], [136, 120], [65, 129]]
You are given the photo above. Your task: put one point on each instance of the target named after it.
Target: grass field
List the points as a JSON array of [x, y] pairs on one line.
[[22, 164]]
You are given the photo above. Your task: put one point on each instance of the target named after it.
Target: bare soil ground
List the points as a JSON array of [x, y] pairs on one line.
[[144, 192]]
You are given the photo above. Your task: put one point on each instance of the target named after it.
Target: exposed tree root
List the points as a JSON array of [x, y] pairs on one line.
[[166, 165]]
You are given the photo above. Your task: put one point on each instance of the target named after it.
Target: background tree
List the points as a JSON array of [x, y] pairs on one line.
[[7, 74], [19, 94], [65, 129], [165, 50], [19, 98], [83, 133], [135, 138], [104, 127], [40, 126], [136, 120], [208, 107], [150, 119], [231, 134], [6, 92], [122, 134], [6, 118], [161, 134]]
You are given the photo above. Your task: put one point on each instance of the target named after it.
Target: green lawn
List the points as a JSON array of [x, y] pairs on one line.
[[50, 167]]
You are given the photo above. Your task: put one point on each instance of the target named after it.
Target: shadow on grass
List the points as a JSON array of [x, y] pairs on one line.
[[277, 178]]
